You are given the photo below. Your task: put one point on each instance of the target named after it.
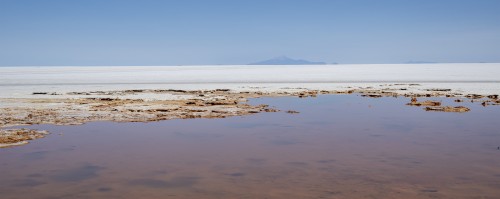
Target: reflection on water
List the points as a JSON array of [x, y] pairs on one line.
[[77, 174], [337, 147], [165, 184]]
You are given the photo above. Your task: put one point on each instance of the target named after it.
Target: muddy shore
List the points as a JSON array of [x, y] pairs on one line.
[[132, 105]]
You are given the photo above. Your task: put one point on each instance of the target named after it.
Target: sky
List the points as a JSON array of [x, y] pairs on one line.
[[199, 32]]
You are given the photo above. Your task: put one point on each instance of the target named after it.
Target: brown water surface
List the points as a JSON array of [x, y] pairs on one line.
[[337, 147]]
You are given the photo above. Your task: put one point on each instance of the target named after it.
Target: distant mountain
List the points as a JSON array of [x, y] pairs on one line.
[[286, 61], [420, 62]]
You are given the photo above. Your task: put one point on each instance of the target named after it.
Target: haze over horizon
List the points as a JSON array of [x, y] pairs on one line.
[[193, 32]]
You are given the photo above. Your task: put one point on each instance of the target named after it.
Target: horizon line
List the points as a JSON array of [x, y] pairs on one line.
[[424, 63]]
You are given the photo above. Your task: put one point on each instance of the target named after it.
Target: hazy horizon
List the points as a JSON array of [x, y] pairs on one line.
[[257, 65]]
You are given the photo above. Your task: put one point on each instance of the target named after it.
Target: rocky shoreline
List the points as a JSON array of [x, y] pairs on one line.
[[139, 105]]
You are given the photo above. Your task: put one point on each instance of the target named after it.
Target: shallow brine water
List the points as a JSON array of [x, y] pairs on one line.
[[341, 146]]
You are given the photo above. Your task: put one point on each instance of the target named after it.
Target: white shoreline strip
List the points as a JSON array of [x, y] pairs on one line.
[[477, 78]]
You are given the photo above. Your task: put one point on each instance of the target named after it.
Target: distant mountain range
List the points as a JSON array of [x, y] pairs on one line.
[[286, 61]]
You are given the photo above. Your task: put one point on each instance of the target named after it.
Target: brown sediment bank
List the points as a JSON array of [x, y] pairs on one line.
[[188, 104], [138, 106], [16, 137], [436, 106]]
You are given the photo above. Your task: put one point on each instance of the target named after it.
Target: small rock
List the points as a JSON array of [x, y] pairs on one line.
[[292, 112], [371, 95], [414, 102], [438, 89], [492, 96], [474, 96], [448, 109]]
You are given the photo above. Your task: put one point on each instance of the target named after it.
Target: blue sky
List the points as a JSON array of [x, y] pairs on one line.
[[193, 32]]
